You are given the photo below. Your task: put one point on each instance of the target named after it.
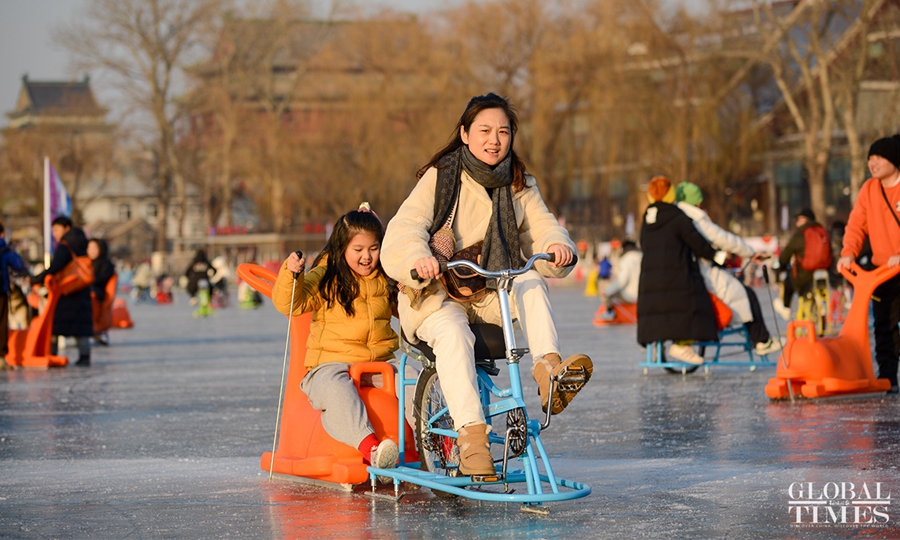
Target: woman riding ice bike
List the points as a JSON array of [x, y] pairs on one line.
[[519, 438]]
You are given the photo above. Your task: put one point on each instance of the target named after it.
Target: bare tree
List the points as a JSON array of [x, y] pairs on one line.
[[877, 23], [807, 38], [79, 157], [276, 48], [142, 45]]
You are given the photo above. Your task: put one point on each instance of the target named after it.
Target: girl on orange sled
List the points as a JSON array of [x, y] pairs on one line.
[[352, 304]]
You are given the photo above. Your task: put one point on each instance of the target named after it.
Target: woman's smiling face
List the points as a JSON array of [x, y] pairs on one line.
[[489, 137]]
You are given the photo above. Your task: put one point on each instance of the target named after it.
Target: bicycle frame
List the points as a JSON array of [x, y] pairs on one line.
[[815, 304], [509, 399]]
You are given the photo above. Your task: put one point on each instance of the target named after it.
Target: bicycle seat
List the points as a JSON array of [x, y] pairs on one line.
[[489, 346]]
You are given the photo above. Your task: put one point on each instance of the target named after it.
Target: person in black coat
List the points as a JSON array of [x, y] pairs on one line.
[[74, 314], [673, 303], [199, 270], [104, 270]]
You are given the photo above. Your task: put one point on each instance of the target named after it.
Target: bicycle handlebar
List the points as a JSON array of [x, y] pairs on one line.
[[444, 266]]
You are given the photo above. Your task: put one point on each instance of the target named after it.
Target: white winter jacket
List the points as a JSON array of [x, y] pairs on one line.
[[627, 277], [718, 281], [406, 238]]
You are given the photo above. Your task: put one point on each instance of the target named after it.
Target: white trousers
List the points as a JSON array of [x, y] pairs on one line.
[[447, 332]]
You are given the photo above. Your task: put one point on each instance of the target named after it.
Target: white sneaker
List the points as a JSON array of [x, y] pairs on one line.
[[385, 457], [780, 309], [685, 354], [608, 315], [765, 347]]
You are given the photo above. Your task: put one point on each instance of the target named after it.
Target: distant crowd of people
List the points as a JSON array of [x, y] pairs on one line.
[[676, 276], [74, 316]]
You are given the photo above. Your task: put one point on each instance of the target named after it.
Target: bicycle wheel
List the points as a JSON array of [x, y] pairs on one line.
[[817, 315], [437, 453], [823, 310]]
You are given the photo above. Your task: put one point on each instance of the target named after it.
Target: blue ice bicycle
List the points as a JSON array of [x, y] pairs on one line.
[[438, 468]]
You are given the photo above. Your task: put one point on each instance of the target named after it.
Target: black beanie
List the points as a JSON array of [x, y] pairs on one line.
[[888, 148]]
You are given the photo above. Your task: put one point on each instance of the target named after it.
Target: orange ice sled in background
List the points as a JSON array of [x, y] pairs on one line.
[[304, 448], [818, 367], [103, 315], [31, 347], [121, 318], [625, 314]]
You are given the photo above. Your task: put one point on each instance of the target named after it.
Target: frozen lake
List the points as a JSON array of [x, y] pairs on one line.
[[162, 437]]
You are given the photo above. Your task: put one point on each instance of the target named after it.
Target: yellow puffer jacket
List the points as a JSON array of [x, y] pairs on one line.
[[334, 336]]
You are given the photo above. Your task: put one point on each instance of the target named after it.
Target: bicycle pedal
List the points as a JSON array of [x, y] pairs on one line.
[[485, 478], [572, 379]]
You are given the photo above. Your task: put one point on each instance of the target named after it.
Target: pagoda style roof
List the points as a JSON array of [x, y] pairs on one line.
[[56, 102]]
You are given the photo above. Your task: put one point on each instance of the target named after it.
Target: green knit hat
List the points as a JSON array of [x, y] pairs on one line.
[[689, 193]]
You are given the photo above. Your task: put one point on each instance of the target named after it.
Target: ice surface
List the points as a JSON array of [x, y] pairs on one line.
[[162, 436]]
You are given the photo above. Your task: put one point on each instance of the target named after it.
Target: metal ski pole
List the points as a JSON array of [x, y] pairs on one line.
[[287, 342], [778, 330]]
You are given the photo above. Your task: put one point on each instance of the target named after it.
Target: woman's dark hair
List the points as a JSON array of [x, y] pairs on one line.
[[475, 106], [102, 246], [339, 284]]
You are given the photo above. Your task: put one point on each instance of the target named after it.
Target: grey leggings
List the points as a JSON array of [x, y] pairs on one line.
[[331, 390]]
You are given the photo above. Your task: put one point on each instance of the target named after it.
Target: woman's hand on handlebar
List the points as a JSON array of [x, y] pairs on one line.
[[563, 256], [428, 268]]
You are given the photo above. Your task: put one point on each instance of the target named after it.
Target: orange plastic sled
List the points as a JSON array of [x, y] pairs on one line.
[[120, 316], [625, 314], [304, 448], [31, 347], [103, 316], [820, 367]]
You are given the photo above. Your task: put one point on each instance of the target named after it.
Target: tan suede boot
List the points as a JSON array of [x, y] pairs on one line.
[[475, 450], [575, 372]]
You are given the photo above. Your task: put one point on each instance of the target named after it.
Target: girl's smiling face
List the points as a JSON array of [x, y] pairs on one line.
[[489, 136], [362, 253]]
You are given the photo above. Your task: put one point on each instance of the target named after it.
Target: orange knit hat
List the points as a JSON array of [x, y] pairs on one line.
[[660, 189]]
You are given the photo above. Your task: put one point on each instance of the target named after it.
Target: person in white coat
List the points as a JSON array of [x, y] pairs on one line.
[[476, 190], [741, 299], [624, 286]]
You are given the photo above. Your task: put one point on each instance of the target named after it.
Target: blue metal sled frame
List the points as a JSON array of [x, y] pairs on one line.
[[541, 487], [733, 337]]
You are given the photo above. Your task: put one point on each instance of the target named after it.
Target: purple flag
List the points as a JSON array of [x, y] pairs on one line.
[[56, 203]]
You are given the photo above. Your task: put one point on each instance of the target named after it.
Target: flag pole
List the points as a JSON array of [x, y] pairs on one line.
[[46, 212]]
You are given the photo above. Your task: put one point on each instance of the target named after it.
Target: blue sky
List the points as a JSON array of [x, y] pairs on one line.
[[26, 42]]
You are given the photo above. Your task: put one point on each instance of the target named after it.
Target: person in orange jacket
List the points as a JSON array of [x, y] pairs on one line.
[[875, 215]]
